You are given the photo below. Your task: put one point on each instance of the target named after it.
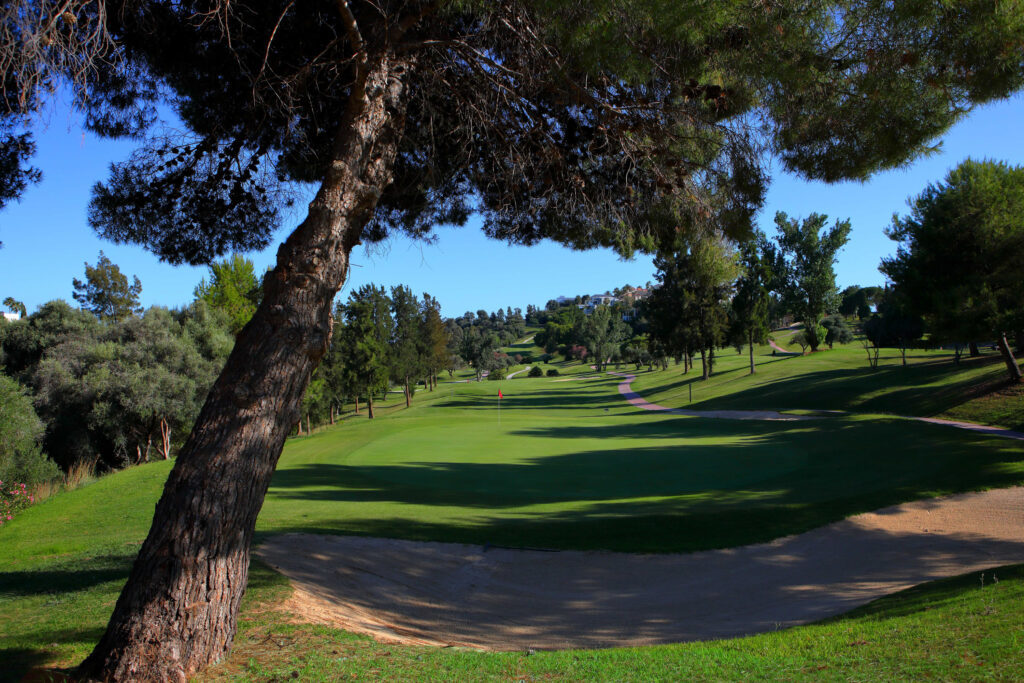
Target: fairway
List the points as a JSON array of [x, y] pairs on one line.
[[572, 465]]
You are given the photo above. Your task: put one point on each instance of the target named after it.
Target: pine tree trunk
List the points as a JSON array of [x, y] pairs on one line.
[[369, 406], [408, 393], [1011, 363], [177, 613], [357, 405], [705, 369]]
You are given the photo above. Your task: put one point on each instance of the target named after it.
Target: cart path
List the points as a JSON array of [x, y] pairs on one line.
[[625, 388], [503, 599]]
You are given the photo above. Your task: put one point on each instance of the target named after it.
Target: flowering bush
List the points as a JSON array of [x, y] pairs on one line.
[[13, 499]]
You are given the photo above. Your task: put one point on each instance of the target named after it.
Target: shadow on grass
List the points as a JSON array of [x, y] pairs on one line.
[[34, 664], [705, 492], [919, 389], [34, 582]]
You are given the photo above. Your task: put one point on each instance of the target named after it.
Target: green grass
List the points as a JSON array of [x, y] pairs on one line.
[[931, 385], [572, 465]]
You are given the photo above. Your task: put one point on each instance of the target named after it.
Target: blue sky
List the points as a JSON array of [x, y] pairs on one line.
[[46, 240]]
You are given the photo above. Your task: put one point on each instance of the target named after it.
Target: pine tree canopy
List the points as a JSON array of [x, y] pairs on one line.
[[600, 123]]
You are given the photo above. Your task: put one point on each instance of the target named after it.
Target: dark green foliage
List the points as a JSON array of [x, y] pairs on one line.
[[536, 371], [233, 288], [600, 332], [961, 254], [856, 300], [687, 312], [362, 341], [751, 303], [496, 374], [24, 342], [106, 392], [804, 263], [895, 325], [16, 148], [836, 330], [21, 431], [106, 292], [552, 372]]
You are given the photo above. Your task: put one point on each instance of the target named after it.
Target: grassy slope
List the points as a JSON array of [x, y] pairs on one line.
[[840, 379], [585, 466]]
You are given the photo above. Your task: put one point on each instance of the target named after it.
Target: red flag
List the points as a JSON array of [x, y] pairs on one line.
[[499, 394]]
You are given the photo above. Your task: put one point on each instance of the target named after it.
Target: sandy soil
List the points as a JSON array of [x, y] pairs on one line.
[[503, 599]]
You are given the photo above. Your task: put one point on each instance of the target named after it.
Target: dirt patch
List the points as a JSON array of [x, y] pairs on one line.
[[502, 599]]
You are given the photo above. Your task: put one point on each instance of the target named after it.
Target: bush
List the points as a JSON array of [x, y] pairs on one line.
[[497, 374], [13, 499], [552, 372], [21, 429], [535, 371]]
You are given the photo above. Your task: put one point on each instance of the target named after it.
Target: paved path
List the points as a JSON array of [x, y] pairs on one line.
[[502, 599], [513, 374]]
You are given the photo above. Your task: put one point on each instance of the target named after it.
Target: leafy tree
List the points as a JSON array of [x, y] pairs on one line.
[[593, 124], [895, 325], [106, 292], [836, 330], [363, 343], [805, 261], [15, 306], [406, 360], [601, 331], [751, 303], [24, 342], [129, 389], [687, 311], [233, 288], [856, 300], [961, 255], [434, 339], [21, 431]]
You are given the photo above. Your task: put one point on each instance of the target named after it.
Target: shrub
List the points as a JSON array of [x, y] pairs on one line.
[[21, 429], [535, 371], [13, 499], [497, 374], [552, 372]]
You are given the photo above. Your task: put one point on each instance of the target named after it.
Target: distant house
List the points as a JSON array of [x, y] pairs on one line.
[[12, 316]]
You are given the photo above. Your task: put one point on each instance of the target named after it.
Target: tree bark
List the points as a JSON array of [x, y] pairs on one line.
[[369, 406], [1011, 363], [750, 343], [973, 346], [177, 613], [705, 368], [357, 404]]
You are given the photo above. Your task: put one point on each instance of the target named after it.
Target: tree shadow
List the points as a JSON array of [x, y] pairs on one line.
[[27, 663], [702, 484], [34, 582], [894, 389]]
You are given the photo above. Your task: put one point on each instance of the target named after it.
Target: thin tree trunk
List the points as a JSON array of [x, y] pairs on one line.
[[332, 414], [177, 613], [408, 393], [1011, 363], [369, 405], [357, 404], [973, 346], [706, 371], [750, 343], [298, 427], [309, 429]]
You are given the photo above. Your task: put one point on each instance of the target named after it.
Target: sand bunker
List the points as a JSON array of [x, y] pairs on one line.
[[502, 599]]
